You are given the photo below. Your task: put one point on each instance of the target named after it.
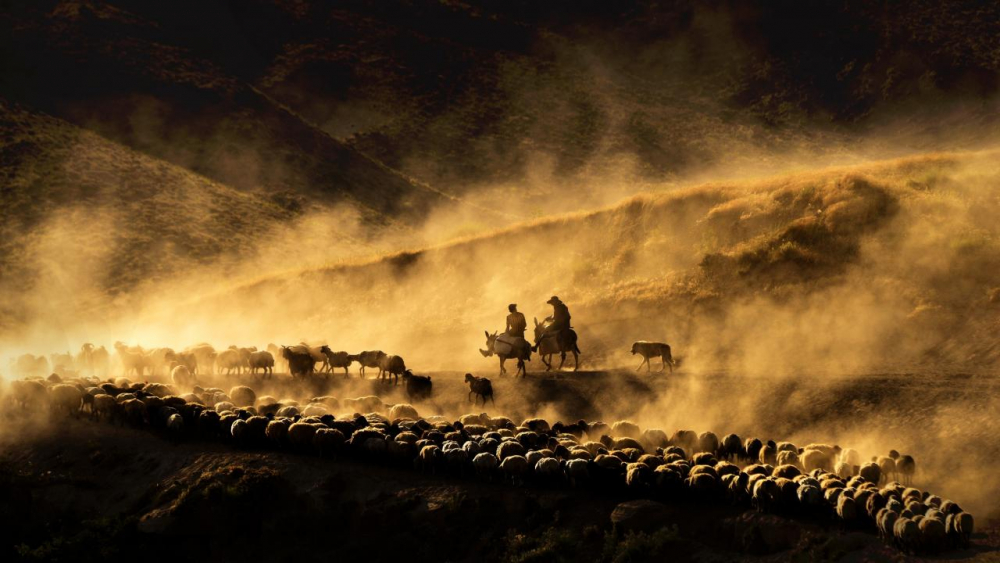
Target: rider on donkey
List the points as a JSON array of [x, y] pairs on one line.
[[516, 323], [558, 322]]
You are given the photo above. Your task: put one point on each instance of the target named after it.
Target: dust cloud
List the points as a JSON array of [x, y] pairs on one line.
[[782, 296]]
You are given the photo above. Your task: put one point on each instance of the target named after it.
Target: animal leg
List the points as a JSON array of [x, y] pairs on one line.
[[562, 359], [639, 367], [576, 361]]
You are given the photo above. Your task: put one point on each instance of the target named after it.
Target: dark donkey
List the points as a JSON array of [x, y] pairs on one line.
[[560, 343]]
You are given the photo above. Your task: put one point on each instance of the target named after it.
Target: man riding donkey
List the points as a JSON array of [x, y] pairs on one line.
[[510, 344], [555, 335], [557, 323]]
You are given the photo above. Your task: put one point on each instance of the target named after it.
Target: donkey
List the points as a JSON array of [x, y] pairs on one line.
[[547, 344], [506, 347]]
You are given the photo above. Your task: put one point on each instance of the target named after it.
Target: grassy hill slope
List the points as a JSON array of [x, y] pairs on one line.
[[86, 219], [836, 270]]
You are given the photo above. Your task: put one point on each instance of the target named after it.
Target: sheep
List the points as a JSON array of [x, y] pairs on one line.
[[485, 464], [337, 360], [809, 496], [369, 359], [536, 424], [786, 457], [653, 350], [654, 438], [317, 353], [66, 398], [964, 526], [104, 407], [906, 467], [638, 476], [134, 412], [510, 448], [158, 389], [707, 442], [907, 533], [932, 534], [417, 387], [327, 440], [481, 386], [403, 410], [300, 435], [732, 447], [764, 494], [390, 366], [315, 409], [29, 393], [685, 439], [813, 458], [300, 363], [847, 509], [242, 396], [428, 458], [786, 471], [229, 360], [885, 521], [515, 467], [625, 429], [276, 431], [175, 426], [158, 360], [871, 472], [133, 359], [182, 377], [262, 360], [751, 449], [768, 453], [886, 465], [205, 356]]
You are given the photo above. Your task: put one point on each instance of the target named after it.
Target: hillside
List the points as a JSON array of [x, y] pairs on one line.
[[352, 129], [524, 108], [126, 78], [776, 275], [87, 219]]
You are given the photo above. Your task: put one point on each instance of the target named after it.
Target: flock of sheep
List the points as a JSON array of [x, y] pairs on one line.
[[203, 359], [816, 481]]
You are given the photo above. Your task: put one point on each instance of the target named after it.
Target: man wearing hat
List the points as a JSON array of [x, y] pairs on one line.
[[516, 323], [560, 315]]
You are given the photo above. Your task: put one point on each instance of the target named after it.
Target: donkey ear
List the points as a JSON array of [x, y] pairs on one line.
[[536, 321], [487, 333]]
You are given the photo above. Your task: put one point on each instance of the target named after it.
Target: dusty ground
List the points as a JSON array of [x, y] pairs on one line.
[[88, 491]]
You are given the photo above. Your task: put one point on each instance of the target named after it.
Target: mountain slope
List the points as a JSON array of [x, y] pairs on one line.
[[126, 78], [85, 218], [841, 269]]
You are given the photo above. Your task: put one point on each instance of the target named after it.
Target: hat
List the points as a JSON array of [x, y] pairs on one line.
[[553, 300]]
